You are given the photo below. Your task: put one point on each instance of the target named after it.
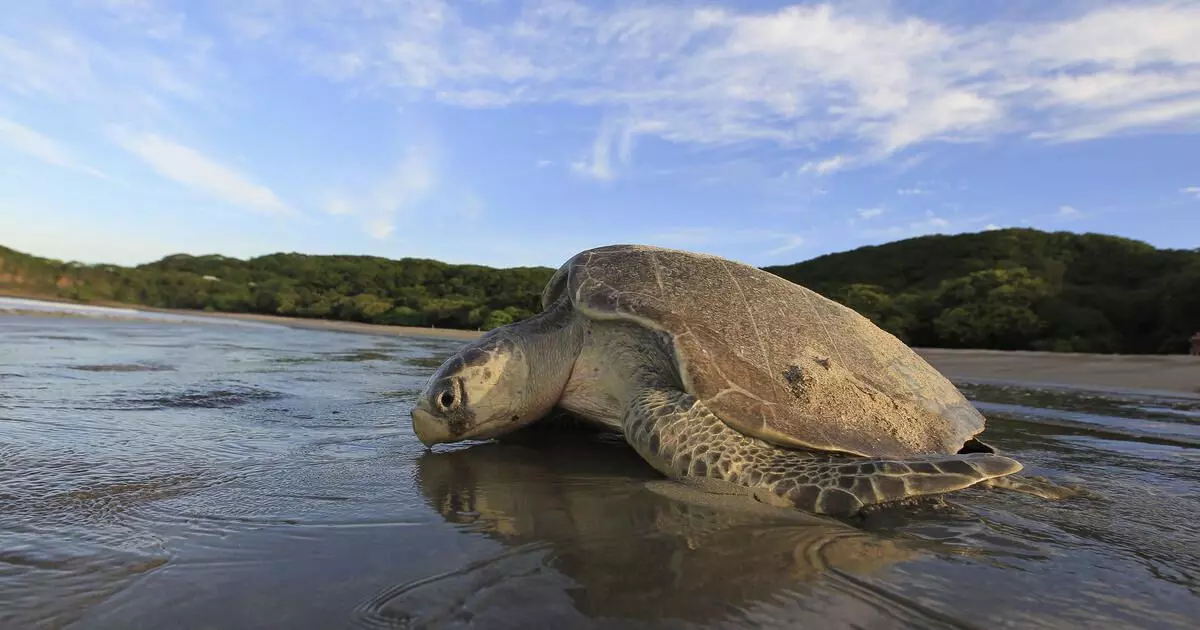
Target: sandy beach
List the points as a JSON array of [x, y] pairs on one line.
[[329, 324], [1178, 374]]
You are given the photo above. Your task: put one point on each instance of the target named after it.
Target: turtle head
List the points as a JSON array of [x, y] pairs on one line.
[[492, 386]]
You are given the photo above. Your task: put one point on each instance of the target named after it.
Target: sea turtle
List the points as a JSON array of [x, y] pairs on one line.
[[722, 376]]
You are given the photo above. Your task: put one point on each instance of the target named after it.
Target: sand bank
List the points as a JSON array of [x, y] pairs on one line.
[[328, 324]]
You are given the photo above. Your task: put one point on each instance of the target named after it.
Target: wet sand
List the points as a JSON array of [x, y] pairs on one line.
[[329, 324], [1178, 374]]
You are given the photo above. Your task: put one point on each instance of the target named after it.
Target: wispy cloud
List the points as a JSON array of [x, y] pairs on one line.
[[195, 170], [863, 76], [1192, 190], [826, 166], [337, 206], [908, 192], [1068, 212], [1180, 114], [148, 16], [789, 243], [115, 75], [869, 213], [612, 147], [35, 144], [773, 242], [404, 188], [931, 223]]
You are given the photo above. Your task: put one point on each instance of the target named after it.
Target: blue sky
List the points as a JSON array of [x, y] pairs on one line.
[[511, 133]]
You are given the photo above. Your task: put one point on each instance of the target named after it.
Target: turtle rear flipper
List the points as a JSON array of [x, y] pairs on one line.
[[681, 438]]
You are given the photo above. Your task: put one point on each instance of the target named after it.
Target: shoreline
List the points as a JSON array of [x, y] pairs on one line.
[[1169, 374], [325, 324], [279, 320]]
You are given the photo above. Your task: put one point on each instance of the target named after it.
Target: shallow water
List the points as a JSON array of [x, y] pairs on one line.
[[217, 475]]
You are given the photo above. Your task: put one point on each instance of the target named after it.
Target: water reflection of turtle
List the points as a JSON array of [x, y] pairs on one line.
[[725, 377], [583, 536]]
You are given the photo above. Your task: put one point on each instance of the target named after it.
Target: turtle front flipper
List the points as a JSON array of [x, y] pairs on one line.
[[680, 437]]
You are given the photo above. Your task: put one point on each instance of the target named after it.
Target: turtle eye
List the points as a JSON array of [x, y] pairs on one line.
[[446, 399]]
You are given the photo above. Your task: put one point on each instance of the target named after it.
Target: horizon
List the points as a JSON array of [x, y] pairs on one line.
[[555, 266], [518, 133]]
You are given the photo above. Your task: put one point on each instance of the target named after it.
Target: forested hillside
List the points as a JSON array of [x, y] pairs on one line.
[[410, 292], [1018, 289], [1002, 289]]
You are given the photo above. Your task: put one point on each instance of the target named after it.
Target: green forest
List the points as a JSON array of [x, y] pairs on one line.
[[1013, 289]]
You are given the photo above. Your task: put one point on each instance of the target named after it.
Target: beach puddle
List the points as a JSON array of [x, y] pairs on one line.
[[430, 363], [364, 355], [1165, 419], [123, 367], [1180, 408]]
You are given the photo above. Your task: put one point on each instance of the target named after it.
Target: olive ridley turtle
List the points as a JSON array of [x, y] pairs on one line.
[[724, 377]]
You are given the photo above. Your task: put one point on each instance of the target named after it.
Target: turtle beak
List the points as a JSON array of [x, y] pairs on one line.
[[427, 427]]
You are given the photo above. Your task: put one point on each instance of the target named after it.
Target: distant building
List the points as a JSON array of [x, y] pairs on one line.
[[211, 278]]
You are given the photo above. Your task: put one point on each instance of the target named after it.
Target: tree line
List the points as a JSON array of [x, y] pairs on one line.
[[1014, 289], [1018, 289]]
